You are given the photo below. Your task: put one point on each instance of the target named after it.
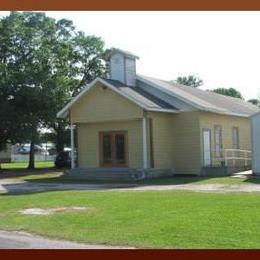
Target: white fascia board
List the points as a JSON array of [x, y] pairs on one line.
[[163, 110], [231, 114]]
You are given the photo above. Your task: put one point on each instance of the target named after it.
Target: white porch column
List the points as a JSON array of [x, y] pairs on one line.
[[145, 158], [72, 146]]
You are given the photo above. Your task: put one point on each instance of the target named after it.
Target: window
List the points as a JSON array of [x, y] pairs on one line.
[[235, 136], [218, 140]]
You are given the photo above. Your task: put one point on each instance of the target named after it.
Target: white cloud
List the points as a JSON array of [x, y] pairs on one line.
[[220, 47]]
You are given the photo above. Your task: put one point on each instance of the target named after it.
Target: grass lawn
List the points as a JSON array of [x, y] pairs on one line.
[[23, 165], [160, 219]]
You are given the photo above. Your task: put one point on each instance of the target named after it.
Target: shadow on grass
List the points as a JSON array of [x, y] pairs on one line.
[[20, 172], [51, 179], [174, 180], [252, 179]]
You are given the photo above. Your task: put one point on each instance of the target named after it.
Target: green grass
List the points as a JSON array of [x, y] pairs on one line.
[[165, 219], [24, 165]]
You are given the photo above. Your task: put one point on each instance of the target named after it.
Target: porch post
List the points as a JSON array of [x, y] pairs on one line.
[[144, 142], [72, 145]]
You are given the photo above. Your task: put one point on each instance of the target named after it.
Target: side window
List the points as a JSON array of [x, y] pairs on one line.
[[235, 136], [218, 140]]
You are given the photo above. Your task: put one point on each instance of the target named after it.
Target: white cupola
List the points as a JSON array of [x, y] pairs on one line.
[[122, 66]]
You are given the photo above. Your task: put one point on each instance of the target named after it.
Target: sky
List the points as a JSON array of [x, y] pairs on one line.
[[221, 48]]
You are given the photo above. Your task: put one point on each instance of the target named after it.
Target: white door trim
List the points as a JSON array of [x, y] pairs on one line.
[[206, 142]]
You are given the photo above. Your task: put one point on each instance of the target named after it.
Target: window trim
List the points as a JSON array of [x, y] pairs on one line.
[[233, 137], [220, 141]]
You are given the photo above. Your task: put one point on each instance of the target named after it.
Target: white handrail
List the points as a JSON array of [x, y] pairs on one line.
[[244, 155], [239, 150]]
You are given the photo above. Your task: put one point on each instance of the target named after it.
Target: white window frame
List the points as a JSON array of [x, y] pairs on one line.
[[209, 163], [235, 137], [218, 141]]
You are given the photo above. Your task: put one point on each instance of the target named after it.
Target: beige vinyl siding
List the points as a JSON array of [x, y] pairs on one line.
[[88, 142], [186, 142], [209, 120], [162, 140], [103, 104], [176, 141]]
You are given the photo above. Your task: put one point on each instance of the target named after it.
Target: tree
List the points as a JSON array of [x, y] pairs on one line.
[[254, 101], [43, 63], [232, 92], [190, 80]]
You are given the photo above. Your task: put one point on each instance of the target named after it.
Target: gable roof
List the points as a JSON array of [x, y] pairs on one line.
[[138, 96], [203, 100]]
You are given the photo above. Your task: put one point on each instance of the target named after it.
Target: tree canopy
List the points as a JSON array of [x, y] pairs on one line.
[[43, 63], [254, 101], [190, 80], [232, 92]]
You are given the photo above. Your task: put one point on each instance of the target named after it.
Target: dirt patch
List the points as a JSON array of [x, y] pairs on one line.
[[49, 211]]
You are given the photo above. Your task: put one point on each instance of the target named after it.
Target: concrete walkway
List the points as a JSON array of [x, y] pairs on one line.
[[22, 240]]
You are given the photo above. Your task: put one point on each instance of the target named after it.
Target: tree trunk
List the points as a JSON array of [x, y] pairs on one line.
[[60, 138], [31, 155]]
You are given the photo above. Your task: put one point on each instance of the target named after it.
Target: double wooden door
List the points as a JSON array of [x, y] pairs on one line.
[[113, 149]]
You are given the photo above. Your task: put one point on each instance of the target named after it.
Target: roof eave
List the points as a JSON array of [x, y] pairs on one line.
[[163, 110], [225, 113]]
